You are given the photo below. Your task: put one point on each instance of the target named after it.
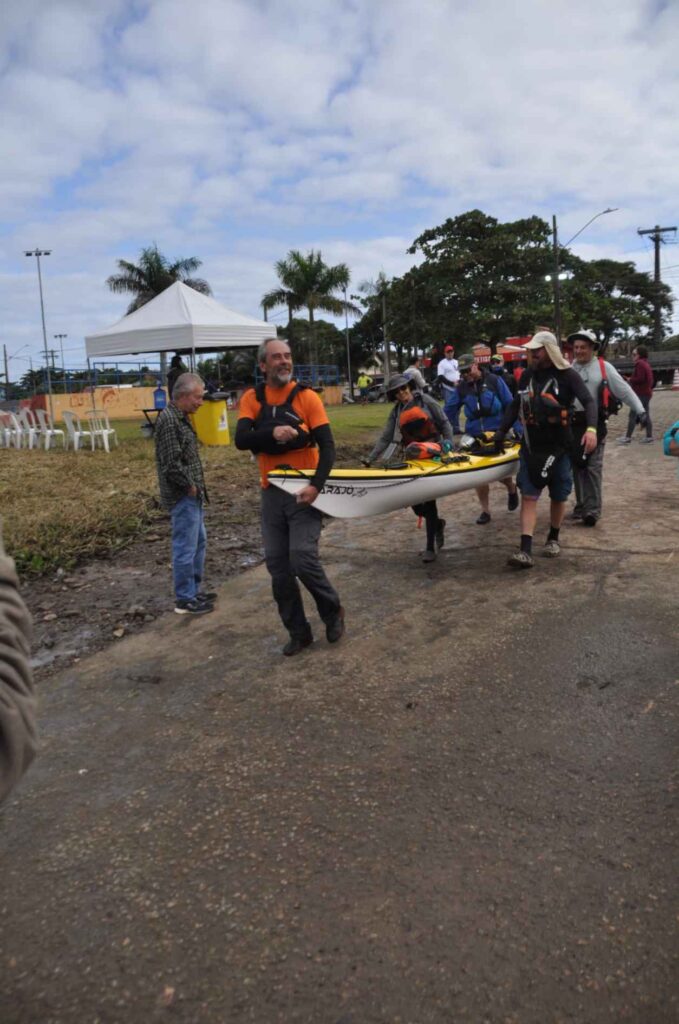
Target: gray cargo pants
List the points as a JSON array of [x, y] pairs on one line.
[[291, 533], [589, 483]]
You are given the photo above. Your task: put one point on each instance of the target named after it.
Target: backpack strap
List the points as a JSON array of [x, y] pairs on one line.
[[605, 390]]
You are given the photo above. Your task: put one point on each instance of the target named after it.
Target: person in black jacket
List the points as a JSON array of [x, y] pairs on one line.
[[546, 393]]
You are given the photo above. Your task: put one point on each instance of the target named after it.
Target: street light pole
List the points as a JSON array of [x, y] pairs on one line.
[[555, 276], [38, 253], [60, 339], [346, 336]]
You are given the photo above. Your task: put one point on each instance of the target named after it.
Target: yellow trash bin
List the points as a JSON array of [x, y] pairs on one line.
[[210, 422]]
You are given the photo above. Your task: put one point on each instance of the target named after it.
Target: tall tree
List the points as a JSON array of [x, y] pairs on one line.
[[309, 283], [153, 274], [483, 279], [610, 297]]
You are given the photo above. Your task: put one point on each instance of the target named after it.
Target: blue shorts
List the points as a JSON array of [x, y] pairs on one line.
[[560, 482]]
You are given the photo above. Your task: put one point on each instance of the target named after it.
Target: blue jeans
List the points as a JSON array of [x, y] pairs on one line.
[[188, 547]]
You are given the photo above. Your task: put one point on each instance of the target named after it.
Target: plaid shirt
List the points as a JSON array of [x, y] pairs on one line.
[[177, 459]]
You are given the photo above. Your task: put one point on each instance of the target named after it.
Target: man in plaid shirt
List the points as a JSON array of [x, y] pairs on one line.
[[183, 494]]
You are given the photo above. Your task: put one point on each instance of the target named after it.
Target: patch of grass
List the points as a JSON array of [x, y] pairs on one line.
[[60, 507]]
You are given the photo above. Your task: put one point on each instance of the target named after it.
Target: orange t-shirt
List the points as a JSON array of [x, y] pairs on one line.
[[306, 404]]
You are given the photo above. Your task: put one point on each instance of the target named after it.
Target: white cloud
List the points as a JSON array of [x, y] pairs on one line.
[[243, 129]]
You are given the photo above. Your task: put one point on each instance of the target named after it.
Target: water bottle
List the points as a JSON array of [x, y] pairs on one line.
[[159, 398]]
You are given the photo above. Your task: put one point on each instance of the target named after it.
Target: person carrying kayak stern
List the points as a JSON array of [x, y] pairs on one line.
[[415, 418]]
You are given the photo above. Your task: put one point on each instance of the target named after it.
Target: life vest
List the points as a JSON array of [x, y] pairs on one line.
[[282, 415], [416, 424], [543, 408]]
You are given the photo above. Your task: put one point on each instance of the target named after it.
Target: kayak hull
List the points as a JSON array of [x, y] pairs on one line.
[[352, 493]]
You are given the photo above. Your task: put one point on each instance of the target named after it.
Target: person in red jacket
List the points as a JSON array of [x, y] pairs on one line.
[[641, 383]]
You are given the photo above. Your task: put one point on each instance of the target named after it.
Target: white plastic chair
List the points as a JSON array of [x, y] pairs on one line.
[[29, 427], [100, 427], [48, 430], [16, 431], [75, 430], [7, 431]]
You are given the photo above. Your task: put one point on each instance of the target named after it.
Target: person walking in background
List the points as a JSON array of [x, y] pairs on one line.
[[281, 421], [177, 368], [606, 387], [414, 373], [447, 377], [498, 367], [641, 383], [18, 732], [364, 383], [183, 494]]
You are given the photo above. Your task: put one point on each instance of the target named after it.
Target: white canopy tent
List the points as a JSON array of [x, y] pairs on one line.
[[180, 319]]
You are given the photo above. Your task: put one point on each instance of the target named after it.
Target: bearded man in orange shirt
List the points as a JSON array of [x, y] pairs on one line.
[[285, 423]]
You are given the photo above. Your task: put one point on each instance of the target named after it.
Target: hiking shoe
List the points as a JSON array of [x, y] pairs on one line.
[[440, 536], [208, 597], [647, 440], [589, 520], [624, 440], [551, 549], [576, 515], [296, 644], [335, 628], [513, 501], [483, 519], [428, 556], [520, 560], [193, 607]]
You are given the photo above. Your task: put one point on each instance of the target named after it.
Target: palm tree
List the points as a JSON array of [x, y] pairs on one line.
[[153, 275], [308, 282]]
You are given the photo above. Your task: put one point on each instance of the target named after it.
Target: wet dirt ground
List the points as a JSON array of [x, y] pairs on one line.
[[463, 812]]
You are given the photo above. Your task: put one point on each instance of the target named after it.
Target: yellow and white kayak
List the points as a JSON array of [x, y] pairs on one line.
[[349, 493]]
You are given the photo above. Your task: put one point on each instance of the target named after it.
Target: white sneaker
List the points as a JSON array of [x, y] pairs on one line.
[[624, 440]]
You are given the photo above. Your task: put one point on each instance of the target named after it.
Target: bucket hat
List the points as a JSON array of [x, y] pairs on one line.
[[584, 335], [399, 380]]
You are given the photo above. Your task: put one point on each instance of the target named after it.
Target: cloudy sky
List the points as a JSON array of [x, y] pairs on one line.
[[234, 130]]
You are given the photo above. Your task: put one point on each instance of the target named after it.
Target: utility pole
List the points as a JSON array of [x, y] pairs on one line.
[[656, 234], [4, 352]]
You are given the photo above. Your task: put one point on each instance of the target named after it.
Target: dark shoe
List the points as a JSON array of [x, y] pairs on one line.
[[589, 520], [334, 629], [513, 501], [206, 597], [193, 607], [296, 644], [576, 515], [428, 556], [483, 519], [440, 535]]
